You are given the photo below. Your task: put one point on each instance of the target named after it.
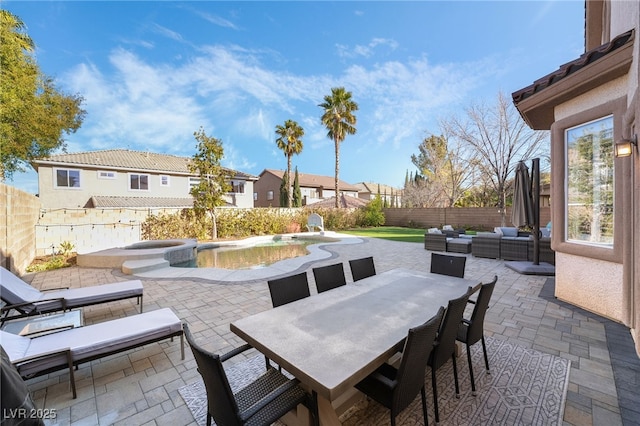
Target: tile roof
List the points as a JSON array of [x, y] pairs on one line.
[[573, 66], [313, 181], [345, 202], [128, 159], [372, 188], [100, 201]]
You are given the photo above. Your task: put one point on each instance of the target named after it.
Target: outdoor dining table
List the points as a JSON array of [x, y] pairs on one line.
[[332, 340]]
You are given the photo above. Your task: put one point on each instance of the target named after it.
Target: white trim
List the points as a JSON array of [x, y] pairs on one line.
[[129, 175], [66, 169], [165, 182], [107, 174]]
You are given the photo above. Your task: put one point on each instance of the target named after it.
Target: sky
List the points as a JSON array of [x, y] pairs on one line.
[[153, 72]]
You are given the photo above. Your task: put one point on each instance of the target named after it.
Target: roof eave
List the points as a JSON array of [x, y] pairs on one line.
[[537, 109]]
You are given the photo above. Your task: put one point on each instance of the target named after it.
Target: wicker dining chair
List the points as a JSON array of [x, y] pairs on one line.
[[329, 277], [288, 289], [445, 344], [397, 388], [471, 330], [445, 264], [362, 268], [260, 403]]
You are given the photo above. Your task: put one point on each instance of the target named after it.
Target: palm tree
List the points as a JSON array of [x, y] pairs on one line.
[[290, 143], [339, 119]]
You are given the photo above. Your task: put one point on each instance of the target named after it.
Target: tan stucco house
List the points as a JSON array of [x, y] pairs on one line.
[[314, 188], [127, 179], [370, 190], [592, 107]]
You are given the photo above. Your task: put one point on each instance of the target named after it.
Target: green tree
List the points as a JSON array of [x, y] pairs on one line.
[[290, 142], [297, 193], [213, 184], [284, 191], [34, 114], [340, 121]]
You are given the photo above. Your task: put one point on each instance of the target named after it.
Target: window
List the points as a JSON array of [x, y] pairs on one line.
[[138, 182], [269, 195], [237, 187], [164, 180], [589, 159], [67, 178], [255, 196], [193, 182], [102, 174]]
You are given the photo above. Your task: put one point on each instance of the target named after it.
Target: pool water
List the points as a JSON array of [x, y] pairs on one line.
[[252, 257]]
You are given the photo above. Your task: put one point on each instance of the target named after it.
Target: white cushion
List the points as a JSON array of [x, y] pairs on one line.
[[447, 228], [434, 231]]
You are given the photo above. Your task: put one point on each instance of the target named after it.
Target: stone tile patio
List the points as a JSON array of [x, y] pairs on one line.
[[141, 386]]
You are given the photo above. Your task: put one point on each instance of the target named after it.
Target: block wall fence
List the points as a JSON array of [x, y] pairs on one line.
[[18, 217]]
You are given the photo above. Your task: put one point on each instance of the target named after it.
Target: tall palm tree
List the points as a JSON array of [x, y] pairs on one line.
[[290, 143], [339, 119]]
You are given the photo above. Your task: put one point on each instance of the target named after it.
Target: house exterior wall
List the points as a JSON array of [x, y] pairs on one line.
[[267, 182], [91, 184], [605, 281]]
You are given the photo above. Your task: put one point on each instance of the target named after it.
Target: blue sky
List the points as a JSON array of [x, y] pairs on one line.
[[152, 73]]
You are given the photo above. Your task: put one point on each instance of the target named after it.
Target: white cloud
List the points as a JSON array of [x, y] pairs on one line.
[[366, 51]]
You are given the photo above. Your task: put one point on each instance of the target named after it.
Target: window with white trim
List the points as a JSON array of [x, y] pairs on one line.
[[269, 195], [138, 182], [237, 187], [104, 174], [164, 180], [589, 185], [66, 178]]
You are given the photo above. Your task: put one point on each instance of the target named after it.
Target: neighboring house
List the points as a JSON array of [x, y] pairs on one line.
[[314, 188], [125, 178], [369, 190], [592, 107]]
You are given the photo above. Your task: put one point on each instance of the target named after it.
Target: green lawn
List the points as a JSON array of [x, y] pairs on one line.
[[393, 233]]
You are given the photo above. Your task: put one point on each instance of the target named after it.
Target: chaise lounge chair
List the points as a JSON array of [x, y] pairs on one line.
[[27, 300], [35, 356]]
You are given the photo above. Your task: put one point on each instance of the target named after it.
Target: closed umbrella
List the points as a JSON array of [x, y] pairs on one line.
[[522, 211]]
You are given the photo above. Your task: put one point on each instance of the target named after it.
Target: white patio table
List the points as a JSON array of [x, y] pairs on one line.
[[332, 340]]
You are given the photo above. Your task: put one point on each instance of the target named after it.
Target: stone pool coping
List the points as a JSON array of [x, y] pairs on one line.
[[156, 266]]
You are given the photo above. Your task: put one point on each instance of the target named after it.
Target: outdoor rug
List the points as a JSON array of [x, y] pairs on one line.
[[525, 387]]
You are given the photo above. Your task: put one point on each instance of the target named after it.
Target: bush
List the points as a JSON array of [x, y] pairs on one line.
[[372, 214], [242, 223]]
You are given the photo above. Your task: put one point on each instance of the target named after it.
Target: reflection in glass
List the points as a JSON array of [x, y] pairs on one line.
[[590, 182]]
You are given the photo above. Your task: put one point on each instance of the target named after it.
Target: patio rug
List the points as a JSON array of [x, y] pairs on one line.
[[525, 387]]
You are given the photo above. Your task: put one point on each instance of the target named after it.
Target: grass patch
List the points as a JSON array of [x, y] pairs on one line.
[[393, 233]]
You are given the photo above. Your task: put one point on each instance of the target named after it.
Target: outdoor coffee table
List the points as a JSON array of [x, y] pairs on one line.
[[332, 340], [42, 324]]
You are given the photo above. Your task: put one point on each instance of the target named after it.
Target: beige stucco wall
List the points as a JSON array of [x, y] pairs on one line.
[[92, 185], [609, 91], [594, 285]]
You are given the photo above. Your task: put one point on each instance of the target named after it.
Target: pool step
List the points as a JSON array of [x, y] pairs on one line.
[[132, 267]]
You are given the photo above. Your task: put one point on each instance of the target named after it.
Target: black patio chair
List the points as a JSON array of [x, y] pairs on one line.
[[288, 289], [397, 388], [261, 403], [444, 347], [445, 264], [329, 277], [362, 268], [471, 330]]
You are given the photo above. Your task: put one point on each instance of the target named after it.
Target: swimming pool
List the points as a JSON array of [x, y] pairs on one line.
[[259, 255]]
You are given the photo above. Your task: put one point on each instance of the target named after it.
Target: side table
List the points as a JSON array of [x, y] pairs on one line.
[[43, 324]]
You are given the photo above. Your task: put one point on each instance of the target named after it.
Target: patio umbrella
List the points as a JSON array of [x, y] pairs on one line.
[[522, 211]]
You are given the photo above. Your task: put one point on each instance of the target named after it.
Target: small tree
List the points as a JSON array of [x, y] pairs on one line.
[[284, 191], [213, 184], [297, 193]]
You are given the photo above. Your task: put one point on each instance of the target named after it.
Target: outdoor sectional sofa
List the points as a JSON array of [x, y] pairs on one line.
[[504, 243]]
